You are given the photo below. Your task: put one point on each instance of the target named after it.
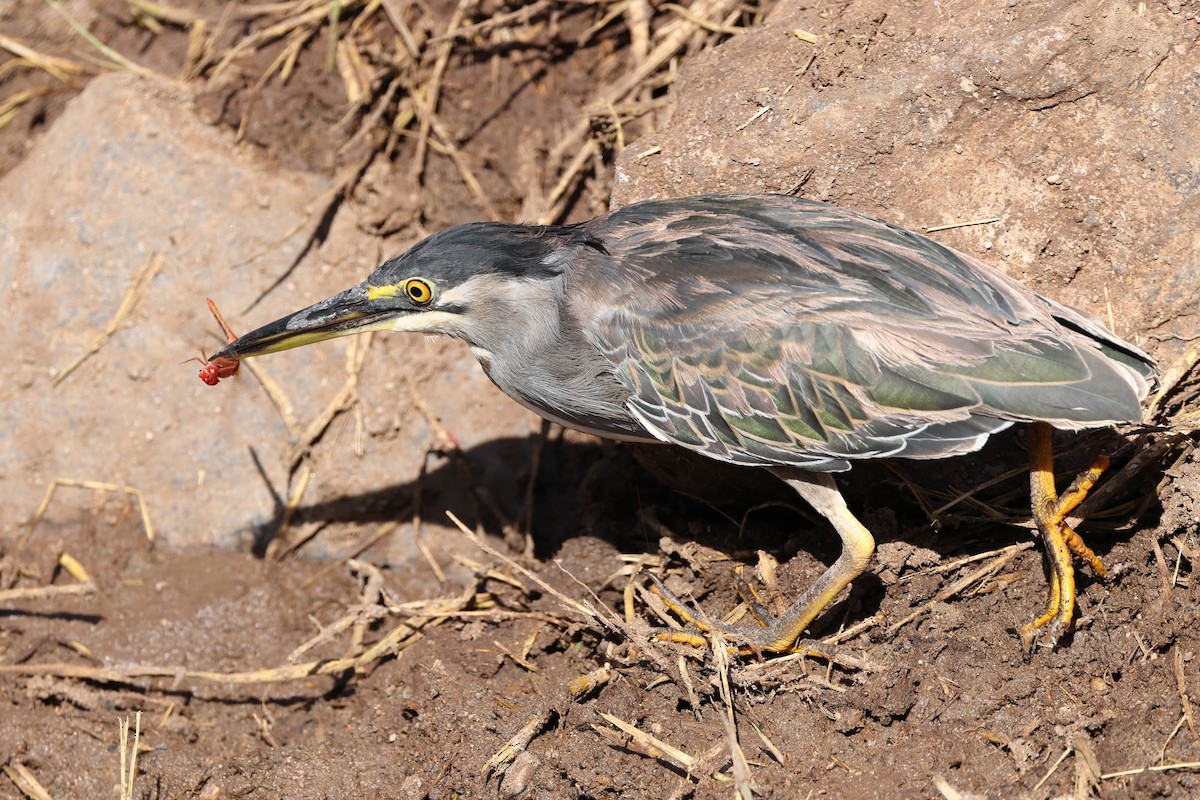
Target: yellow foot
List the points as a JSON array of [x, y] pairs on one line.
[[778, 634], [1050, 512], [772, 634]]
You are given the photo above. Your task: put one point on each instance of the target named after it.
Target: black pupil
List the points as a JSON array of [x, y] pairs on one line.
[[417, 292]]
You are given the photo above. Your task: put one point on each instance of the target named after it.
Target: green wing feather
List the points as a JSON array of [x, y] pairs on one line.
[[768, 330]]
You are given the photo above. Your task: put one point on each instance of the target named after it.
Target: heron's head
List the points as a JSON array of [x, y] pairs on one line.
[[472, 281]]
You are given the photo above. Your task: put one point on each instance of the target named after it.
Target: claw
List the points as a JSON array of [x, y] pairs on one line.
[[1050, 512], [781, 634], [753, 602]]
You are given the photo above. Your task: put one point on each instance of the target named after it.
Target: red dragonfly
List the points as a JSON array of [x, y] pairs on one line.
[[211, 372]]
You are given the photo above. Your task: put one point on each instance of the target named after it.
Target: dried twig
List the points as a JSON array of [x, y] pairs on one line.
[[584, 685], [584, 610], [12, 104], [647, 744], [521, 15], [277, 397], [764, 110], [327, 633], [1172, 377], [775, 752], [970, 223], [61, 69], [460, 162], [283, 548], [314, 15], [29, 785], [701, 22], [427, 102], [519, 660], [141, 283], [741, 768], [978, 576], [179, 17], [129, 755], [1053, 768], [287, 56], [1190, 766], [677, 34], [95, 486], [112, 55], [398, 638], [76, 570], [519, 742], [1181, 685], [343, 400]]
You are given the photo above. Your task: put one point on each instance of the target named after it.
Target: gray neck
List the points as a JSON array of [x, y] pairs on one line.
[[527, 339]]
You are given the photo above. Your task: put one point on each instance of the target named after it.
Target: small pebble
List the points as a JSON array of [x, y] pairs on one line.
[[520, 775], [413, 787], [1054, 180]]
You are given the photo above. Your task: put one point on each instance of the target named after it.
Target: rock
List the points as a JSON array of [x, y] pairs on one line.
[[875, 122], [129, 172]]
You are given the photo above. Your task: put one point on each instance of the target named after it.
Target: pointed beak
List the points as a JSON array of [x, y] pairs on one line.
[[351, 311]]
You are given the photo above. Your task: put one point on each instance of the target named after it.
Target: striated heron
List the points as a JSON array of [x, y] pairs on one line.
[[766, 331]]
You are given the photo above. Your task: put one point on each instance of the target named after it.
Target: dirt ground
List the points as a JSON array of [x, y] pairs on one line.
[[358, 644]]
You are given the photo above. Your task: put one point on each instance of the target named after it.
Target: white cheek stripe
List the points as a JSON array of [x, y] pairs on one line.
[[423, 322]]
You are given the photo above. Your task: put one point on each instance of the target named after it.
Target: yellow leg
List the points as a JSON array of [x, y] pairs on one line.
[[1050, 511], [778, 634], [1071, 498]]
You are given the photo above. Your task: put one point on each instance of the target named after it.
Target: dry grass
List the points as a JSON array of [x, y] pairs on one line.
[[413, 619], [112, 59], [392, 58], [84, 584], [25, 780], [95, 486], [129, 754], [141, 285]]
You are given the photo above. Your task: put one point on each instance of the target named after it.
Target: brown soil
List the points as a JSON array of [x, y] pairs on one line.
[[944, 705]]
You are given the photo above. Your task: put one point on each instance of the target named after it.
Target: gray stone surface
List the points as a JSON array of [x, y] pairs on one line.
[[1076, 128], [126, 173]]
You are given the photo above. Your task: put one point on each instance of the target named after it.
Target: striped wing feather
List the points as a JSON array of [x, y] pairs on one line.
[[766, 330]]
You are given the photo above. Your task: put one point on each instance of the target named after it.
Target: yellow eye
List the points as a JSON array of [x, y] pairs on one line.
[[418, 291]]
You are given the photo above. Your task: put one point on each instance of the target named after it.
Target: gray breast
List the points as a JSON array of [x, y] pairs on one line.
[[544, 362]]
